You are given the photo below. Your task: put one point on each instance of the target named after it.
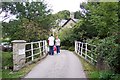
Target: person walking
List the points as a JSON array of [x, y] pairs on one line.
[[57, 43], [51, 40]]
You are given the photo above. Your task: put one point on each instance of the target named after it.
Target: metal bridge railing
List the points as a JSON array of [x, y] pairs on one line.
[[35, 50], [86, 51]]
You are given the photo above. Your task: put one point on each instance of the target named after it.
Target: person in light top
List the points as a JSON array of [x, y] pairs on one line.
[[57, 43], [51, 40]]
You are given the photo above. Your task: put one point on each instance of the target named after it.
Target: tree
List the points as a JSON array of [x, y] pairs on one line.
[[35, 20], [103, 18], [77, 15], [65, 14]]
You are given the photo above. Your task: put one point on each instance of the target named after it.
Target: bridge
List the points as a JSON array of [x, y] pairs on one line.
[[63, 65]]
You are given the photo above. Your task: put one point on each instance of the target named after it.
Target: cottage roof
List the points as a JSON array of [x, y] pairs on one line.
[[74, 20]]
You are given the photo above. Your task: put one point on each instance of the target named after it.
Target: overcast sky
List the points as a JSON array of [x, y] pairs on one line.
[[59, 5]]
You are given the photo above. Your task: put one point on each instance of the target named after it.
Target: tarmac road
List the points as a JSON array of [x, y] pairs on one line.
[[63, 65]]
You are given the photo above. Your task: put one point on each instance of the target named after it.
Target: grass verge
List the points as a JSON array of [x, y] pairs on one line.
[[92, 73], [90, 70], [7, 63], [18, 74]]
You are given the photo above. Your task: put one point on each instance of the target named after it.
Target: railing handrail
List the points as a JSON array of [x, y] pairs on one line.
[[41, 48], [82, 50], [86, 43]]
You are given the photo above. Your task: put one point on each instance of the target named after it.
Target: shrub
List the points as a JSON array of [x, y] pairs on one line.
[[7, 60], [71, 48], [108, 50]]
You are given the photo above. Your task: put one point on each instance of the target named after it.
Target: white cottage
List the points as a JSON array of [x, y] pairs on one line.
[[68, 23], [65, 23]]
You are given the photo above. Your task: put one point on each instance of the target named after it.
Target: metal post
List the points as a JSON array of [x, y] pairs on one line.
[[32, 51], [85, 50], [39, 48], [46, 46], [81, 48], [43, 47], [76, 46]]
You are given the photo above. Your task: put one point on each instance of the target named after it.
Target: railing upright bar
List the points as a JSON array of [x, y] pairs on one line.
[[76, 46], [45, 46], [81, 49], [91, 58], [85, 50], [32, 51], [39, 48], [80, 46]]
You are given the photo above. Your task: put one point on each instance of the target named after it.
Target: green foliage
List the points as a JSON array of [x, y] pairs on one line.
[[77, 15], [7, 60], [105, 75], [64, 47], [101, 18], [108, 50], [34, 21], [65, 14], [32, 11], [99, 25], [71, 48], [66, 37], [19, 74]]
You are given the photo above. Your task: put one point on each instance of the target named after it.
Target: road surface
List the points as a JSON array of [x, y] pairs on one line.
[[63, 65]]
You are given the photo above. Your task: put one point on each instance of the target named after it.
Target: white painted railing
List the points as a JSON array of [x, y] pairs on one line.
[[86, 51], [35, 50]]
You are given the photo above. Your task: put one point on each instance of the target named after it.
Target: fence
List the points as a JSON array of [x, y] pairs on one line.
[[86, 51], [35, 51], [26, 53]]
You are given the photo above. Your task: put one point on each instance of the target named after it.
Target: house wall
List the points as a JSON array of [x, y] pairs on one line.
[[70, 24]]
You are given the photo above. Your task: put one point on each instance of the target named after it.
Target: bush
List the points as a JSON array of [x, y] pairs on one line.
[[105, 75], [108, 50], [7, 60], [71, 48], [64, 47]]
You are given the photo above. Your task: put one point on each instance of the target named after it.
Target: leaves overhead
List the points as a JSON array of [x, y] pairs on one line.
[[35, 20]]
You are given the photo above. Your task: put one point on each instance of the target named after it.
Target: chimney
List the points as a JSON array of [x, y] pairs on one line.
[[72, 15]]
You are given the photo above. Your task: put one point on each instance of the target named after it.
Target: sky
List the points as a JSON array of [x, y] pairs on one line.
[[56, 6], [59, 5]]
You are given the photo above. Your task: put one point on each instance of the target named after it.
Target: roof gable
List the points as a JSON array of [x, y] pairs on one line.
[[74, 20]]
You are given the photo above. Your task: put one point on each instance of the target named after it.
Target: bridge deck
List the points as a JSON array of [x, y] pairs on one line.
[[63, 65]]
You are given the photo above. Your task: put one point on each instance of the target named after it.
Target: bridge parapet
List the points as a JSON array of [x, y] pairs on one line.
[[26, 53], [86, 51], [18, 54]]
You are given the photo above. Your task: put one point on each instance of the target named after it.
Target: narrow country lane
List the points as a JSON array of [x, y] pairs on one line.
[[64, 65]]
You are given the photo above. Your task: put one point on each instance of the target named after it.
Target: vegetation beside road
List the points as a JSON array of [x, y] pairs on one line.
[[7, 66], [98, 25], [93, 73]]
